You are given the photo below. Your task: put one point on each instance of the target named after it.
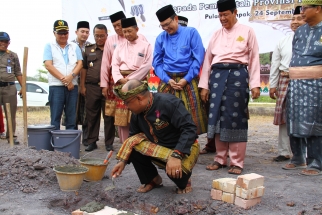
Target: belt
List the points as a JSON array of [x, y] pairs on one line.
[[5, 84], [284, 74], [228, 66], [93, 83]]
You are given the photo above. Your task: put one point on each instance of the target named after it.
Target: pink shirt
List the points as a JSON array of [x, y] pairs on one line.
[[110, 45], [136, 55], [236, 45]]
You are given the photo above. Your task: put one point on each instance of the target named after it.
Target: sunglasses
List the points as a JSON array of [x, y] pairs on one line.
[[62, 33]]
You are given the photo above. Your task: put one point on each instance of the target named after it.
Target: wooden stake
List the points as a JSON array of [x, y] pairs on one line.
[[24, 94], [8, 112]]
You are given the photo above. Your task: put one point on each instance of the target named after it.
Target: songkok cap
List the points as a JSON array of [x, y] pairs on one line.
[[4, 36], [224, 5], [297, 10], [165, 12], [60, 25], [82, 24], [128, 94], [117, 16], [183, 21], [311, 2], [128, 22]]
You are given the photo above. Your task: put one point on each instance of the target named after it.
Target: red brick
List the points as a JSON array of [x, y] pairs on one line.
[[228, 197], [246, 203], [250, 194], [250, 181], [216, 194]]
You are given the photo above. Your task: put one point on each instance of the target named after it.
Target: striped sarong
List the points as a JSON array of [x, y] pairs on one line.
[[191, 99], [141, 144], [280, 109]]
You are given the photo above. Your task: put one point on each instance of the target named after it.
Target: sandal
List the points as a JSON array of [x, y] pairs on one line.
[[150, 186], [188, 188], [311, 172], [215, 166], [236, 170], [291, 166], [206, 151]]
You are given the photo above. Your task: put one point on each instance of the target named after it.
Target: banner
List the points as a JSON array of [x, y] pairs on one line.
[[268, 18]]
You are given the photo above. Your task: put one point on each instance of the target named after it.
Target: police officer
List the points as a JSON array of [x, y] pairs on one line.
[[90, 88], [9, 70]]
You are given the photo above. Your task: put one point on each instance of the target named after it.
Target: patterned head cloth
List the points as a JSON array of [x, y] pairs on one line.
[[128, 94], [312, 2], [224, 5]]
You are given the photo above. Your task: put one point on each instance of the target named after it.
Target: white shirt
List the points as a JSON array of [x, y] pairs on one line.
[[281, 59]]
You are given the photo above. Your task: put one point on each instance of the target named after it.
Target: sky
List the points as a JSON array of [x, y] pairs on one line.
[[29, 23]]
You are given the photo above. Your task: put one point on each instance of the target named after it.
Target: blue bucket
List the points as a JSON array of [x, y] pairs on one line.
[[66, 141], [39, 136]]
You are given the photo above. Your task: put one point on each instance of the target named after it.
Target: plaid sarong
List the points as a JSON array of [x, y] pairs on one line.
[[191, 99], [141, 144], [280, 109]]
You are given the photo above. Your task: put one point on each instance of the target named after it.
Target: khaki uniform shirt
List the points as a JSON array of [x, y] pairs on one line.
[[92, 60], [9, 66]]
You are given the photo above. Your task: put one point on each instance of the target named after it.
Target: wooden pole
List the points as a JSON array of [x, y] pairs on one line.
[[8, 112], [24, 94]]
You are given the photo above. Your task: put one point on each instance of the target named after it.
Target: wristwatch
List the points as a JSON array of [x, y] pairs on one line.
[[74, 75]]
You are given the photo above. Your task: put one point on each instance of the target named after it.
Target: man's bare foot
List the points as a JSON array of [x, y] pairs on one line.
[[155, 183], [188, 188]]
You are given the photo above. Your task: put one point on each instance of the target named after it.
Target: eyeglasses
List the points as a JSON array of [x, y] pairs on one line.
[[165, 25], [128, 101], [99, 36], [62, 33], [303, 8]]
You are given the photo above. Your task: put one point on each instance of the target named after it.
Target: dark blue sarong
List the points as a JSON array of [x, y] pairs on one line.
[[228, 102]]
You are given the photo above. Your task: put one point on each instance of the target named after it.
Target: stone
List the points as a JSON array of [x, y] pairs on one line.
[[230, 186], [251, 193], [250, 181], [228, 197], [216, 194], [246, 203], [77, 212], [218, 184]]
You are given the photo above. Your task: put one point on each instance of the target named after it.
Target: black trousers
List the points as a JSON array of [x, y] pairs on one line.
[[146, 170]]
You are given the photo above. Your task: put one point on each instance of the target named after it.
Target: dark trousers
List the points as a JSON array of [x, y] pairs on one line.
[[313, 145], [211, 145], [95, 105], [146, 170]]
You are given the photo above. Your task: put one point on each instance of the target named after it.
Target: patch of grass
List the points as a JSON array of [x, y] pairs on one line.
[[264, 99]]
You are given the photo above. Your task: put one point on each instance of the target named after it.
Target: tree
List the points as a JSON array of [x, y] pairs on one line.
[[42, 75]]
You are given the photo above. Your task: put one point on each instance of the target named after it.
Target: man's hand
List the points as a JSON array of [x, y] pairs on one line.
[[182, 83], [204, 94], [117, 169], [70, 86], [273, 93], [83, 90], [105, 92], [67, 79], [123, 80], [174, 84], [173, 167], [255, 93]]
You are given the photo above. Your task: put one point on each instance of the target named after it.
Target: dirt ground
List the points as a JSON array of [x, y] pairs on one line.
[[28, 184]]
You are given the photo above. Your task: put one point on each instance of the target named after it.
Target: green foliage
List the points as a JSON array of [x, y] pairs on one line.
[[265, 58], [264, 99]]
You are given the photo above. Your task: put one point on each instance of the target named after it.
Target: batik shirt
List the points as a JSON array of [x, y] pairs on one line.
[[307, 46], [181, 52], [167, 123], [84, 45]]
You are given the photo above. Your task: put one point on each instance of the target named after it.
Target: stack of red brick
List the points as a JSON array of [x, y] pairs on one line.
[[245, 191]]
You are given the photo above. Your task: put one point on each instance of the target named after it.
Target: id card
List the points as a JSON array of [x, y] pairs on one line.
[[8, 69]]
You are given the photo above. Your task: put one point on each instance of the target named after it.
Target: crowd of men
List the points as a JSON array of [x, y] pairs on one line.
[[163, 128]]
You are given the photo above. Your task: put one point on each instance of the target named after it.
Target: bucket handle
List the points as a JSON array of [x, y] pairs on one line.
[[61, 147]]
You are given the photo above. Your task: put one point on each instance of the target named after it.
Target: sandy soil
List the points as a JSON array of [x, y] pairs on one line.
[[28, 184]]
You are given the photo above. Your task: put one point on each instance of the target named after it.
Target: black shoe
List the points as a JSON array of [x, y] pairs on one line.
[[281, 158], [109, 148], [91, 147]]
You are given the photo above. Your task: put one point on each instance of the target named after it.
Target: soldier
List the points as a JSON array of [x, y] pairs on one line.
[[9, 70], [91, 90]]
